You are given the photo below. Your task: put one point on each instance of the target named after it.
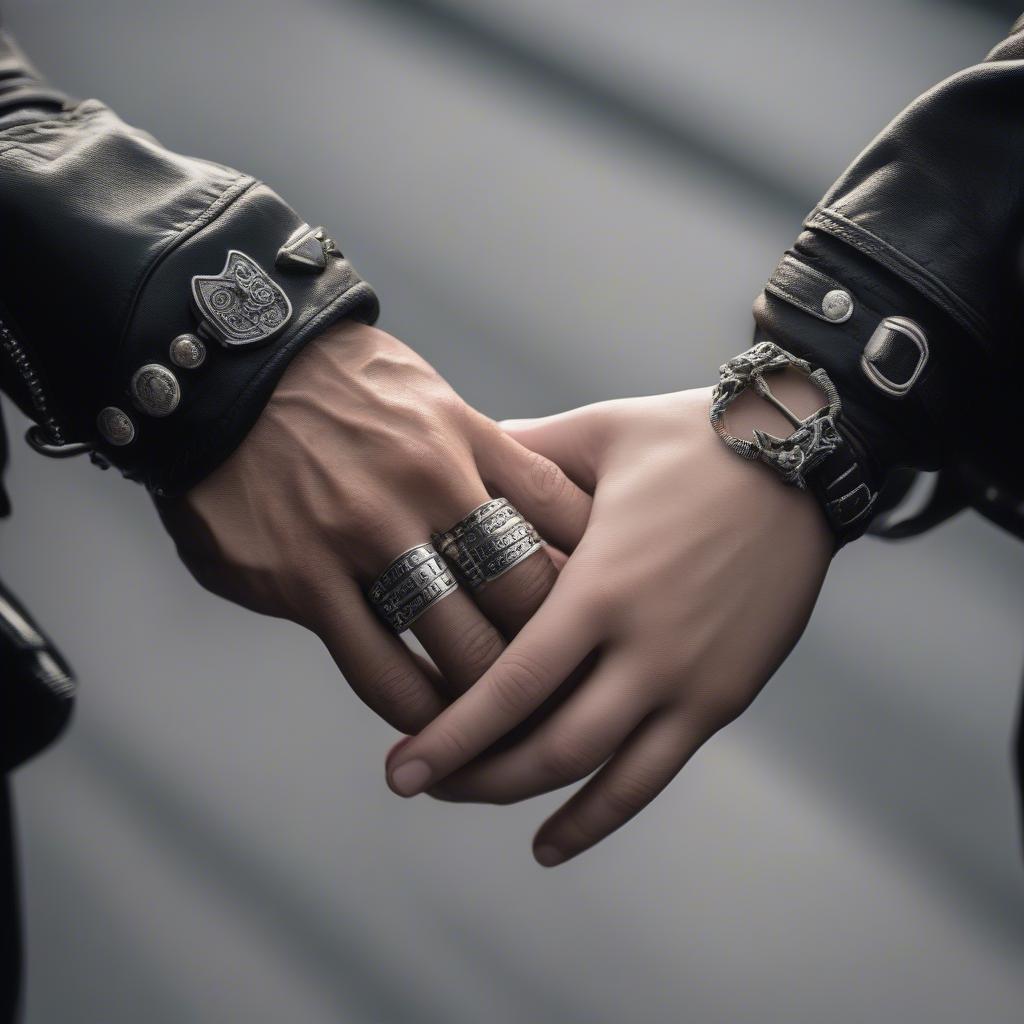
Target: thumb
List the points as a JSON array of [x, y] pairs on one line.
[[570, 439]]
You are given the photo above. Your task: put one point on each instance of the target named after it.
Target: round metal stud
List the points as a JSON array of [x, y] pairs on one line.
[[115, 425], [155, 389], [837, 306], [188, 352]]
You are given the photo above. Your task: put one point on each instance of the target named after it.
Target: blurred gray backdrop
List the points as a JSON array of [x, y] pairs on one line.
[[214, 841]]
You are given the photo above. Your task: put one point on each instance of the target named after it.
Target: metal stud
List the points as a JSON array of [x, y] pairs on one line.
[[155, 390], [115, 425], [837, 306], [188, 352]]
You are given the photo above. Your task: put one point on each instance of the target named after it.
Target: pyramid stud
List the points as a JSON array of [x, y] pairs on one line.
[[307, 249]]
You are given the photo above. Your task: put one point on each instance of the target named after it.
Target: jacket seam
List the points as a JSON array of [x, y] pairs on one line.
[[834, 223], [85, 110]]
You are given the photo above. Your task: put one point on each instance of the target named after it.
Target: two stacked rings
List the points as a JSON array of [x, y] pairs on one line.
[[483, 545]]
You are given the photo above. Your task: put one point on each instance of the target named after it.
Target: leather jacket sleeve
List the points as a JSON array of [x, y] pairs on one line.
[[114, 246], [925, 226]]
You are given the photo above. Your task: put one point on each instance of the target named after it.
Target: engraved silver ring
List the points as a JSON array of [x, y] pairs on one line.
[[414, 581], [485, 544]]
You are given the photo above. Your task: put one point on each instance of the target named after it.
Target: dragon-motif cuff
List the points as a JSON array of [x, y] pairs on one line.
[[818, 456]]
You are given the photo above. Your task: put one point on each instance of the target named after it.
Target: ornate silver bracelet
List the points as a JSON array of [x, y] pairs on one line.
[[814, 439]]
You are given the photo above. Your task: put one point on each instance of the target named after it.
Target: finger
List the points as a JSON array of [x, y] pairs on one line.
[[569, 439], [558, 558], [453, 631], [568, 746], [461, 641], [536, 485], [647, 763], [511, 600], [530, 670], [381, 670]]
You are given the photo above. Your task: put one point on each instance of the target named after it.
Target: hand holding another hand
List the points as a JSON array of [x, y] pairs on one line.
[[695, 577], [362, 452]]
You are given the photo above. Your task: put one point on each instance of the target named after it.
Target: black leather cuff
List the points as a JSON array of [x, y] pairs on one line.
[[221, 399], [114, 248]]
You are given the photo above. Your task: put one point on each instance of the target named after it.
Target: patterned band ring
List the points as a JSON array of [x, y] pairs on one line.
[[415, 581], [488, 542]]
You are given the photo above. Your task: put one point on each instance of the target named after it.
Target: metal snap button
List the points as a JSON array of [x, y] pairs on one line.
[[115, 426], [155, 390], [188, 352], [837, 306]]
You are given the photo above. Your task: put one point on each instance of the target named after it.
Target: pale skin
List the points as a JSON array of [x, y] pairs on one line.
[[695, 577], [686, 574]]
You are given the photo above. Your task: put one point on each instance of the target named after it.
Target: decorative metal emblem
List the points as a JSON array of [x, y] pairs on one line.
[[308, 249], [241, 305], [155, 390], [115, 425], [188, 352], [814, 438]]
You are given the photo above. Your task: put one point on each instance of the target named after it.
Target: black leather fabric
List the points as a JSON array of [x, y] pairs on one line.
[[806, 288], [103, 230], [20, 84], [928, 223], [97, 283]]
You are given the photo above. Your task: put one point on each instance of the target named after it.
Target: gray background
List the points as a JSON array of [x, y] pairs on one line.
[[558, 200]]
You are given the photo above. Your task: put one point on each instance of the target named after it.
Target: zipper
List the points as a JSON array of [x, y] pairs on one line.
[[46, 435]]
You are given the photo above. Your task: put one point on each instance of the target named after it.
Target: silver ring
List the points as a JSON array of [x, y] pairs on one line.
[[489, 541], [414, 581]]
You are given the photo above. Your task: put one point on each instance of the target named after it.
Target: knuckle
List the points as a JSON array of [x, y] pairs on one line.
[[547, 478], [577, 831], [395, 688], [533, 580], [629, 792], [479, 646], [567, 759], [519, 685], [452, 743]]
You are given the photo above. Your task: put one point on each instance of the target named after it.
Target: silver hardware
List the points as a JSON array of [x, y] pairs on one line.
[[188, 352], [115, 426], [307, 248], [813, 440], [414, 581], [837, 306], [489, 541], [242, 305], [907, 328], [155, 390], [46, 435]]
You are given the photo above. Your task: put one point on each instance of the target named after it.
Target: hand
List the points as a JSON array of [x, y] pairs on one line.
[[362, 452], [696, 575]]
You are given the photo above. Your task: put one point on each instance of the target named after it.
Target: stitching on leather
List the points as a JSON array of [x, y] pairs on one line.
[[83, 112], [830, 282], [775, 287], [861, 238]]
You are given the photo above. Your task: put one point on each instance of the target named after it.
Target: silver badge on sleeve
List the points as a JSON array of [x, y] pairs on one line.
[[241, 305]]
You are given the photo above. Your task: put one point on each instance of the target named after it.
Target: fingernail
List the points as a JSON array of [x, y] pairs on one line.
[[410, 778], [548, 856]]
